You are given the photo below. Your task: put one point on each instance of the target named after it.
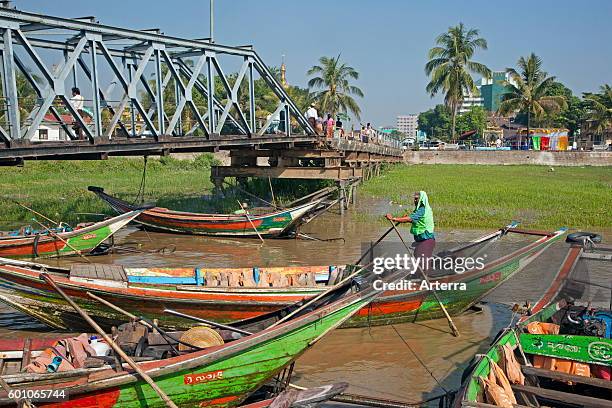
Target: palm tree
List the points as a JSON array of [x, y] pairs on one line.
[[332, 78], [450, 66], [600, 109], [530, 91]]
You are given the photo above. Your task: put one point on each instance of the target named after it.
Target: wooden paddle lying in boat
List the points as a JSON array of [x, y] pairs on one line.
[[110, 341]]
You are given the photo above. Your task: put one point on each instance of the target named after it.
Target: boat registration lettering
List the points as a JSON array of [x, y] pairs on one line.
[[89, 236], [600, 351], [557, 347], [491, 278], [191, 379], [279, 219]]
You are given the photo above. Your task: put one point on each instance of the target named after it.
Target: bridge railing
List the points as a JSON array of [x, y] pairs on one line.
[[135, 83]]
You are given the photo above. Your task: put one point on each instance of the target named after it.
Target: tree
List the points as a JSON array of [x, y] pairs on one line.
[[600, 109], [474, 119], [532, 92], [333, 78], [571, 117], [435, 121], [450, 65]]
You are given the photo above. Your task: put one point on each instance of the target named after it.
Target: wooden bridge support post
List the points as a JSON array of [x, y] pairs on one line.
[[343, 205]]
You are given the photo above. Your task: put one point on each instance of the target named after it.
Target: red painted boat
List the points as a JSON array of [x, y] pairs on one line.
[[48, 243], [229, 295], [216, 374], [270, 224]]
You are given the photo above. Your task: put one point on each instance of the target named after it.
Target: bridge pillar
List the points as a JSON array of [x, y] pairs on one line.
[[343, 202]]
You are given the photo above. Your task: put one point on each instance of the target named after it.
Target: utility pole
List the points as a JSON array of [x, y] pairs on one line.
[[212, 21]]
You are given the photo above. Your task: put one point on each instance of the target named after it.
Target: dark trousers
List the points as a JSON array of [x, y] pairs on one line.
[[424, 249]]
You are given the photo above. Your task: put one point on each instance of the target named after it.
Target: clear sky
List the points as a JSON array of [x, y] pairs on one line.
[[385, 40]]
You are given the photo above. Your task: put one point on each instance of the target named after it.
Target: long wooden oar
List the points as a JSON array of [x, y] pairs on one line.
[[374, 244], [35, 212], [44, 276], [54, 235], [246, 213], [450, 321], [322, 294], [118, 309], [207, 322]]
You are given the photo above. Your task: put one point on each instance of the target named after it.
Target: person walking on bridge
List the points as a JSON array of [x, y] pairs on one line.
[[312, 115], [330, 126], [422, 228]]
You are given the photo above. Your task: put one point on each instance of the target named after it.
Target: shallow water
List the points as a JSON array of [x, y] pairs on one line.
[[379, 361]]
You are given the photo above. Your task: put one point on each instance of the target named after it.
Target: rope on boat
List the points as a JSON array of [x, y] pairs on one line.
[[311, 238], [420, 361], [237, 187], [165, 250], [143, 180]]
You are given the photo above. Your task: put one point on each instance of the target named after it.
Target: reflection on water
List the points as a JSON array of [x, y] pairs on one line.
[[376, 361]]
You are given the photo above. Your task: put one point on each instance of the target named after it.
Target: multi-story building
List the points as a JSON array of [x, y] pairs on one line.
[[408, 124], [490, 92]]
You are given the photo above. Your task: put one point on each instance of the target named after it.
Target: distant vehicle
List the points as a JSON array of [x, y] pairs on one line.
[[408, 143], [430, 145], [449, 146]]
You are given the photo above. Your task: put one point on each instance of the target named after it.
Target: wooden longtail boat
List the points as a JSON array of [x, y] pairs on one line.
[[563, 350], [229, 295], [271, 224], [223, 375], [51, 244]]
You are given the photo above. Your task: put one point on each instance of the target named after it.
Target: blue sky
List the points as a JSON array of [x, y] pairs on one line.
[[386, 41]]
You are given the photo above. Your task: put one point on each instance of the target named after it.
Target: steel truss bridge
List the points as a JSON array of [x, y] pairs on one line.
[[144, 93]]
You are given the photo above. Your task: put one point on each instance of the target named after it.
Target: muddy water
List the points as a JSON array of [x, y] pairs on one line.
[[379, 361]]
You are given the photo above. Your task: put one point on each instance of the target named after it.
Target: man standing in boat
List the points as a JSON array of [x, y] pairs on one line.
[[422, 227]]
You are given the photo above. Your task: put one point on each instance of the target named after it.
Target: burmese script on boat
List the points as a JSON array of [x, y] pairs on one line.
[[411, 264]]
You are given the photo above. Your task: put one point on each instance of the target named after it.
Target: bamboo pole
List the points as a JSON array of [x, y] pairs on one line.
[[55, 235], [246, 213], [451, 324], [272, 191], [35, 212], [118, 309], [322, 294], [110, 341]]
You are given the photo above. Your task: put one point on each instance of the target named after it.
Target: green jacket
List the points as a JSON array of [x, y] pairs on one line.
[[422, 219]]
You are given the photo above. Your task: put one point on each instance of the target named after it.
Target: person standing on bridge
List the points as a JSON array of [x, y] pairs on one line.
[[330, 126], [77, 101], [312, 115], [422, 228]]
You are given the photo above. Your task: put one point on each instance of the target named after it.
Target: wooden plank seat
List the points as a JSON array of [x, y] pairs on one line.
[[98, 271], [564, 397], [561, 376]]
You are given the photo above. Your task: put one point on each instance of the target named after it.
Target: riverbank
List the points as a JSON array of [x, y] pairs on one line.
[[484, 196], [58, 189], [463, 196]]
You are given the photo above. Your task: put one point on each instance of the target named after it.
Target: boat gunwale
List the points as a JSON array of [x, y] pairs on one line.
[[28, 239]]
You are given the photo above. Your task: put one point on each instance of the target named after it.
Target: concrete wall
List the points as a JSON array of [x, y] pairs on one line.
[[544, 158]]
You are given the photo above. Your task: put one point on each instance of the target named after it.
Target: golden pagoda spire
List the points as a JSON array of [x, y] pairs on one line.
[[283, 70]]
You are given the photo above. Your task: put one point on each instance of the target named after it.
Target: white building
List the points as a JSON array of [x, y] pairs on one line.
[[408, 124]]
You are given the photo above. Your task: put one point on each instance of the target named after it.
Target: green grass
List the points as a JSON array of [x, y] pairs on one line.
[[476, 196], [58, 189]]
